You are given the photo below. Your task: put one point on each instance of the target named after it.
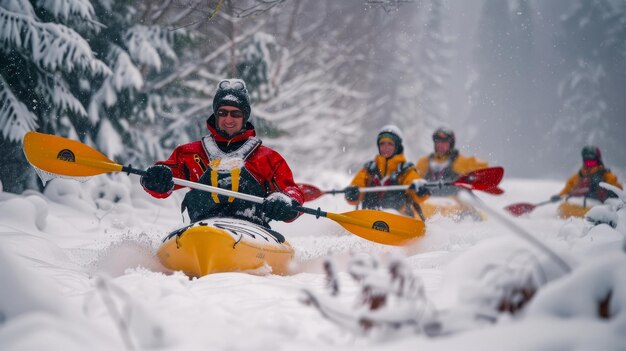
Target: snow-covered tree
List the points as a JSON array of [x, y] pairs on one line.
[[501, 87], [593, 41], [421, 103], [54, 80], [127, 113], [254, 65], [40, 51]]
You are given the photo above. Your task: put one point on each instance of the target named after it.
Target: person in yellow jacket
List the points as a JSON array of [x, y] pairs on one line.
[[446, 164], [586, 182], [389, 167]]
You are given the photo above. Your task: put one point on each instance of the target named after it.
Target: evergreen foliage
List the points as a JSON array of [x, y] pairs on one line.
[[40, 55], [593, 36], [429, 107]]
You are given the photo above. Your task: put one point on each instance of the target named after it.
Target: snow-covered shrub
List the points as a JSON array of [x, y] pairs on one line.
[[593, 295], [608, 212], [25, 211], [390, 297], [111, 197], [69, 192], [98, 193], [107, 191], [595, 290], [602, 214], [494, 278]]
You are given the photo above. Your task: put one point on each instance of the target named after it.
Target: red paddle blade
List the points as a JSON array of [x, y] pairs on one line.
[[482, 179], [495, 191], [520, 209], [310, 192]]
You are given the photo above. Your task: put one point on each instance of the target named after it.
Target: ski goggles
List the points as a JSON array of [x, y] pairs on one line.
[[444, 140], [235, 84], [233, 113], [442, 136]]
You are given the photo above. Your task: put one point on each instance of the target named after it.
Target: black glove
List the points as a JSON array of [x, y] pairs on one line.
[[158, 179], [352, 193], [280, 207], [420, 188], [423, 191], [555, 198]]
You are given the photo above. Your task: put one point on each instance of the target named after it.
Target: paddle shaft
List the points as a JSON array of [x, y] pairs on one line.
[[259, 200], [380, 189], [519, 209], [544, 203], [311, 211]]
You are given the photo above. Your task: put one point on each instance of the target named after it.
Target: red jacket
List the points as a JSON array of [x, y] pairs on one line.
[[268, 168]]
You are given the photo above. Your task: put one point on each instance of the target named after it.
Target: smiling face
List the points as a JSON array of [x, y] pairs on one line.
[[386, 148], [229, 119], [442, 147]]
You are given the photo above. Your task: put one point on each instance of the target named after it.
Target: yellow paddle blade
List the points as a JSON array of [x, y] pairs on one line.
[[380, 227], [65, 157]]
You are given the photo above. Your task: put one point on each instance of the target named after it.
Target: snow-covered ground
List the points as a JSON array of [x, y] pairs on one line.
[[78, 272]]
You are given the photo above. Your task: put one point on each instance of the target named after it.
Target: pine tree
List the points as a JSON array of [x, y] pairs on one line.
[[501, 88], [432, 71], [593, 35], [255, 63], [127, 113], [39, 52]]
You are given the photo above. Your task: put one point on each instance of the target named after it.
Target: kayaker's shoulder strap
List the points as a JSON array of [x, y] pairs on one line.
[[214, 152], [599, 174], [403, 167], [371, 168]]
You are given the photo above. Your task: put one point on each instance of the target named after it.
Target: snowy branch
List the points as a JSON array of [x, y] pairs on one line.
[[191, 68], [15, 118]]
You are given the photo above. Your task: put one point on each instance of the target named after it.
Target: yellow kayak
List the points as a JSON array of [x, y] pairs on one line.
[[576, 206], [568, 209], [225, 245], [449, 207]]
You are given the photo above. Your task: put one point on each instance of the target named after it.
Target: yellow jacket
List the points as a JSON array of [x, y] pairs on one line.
[[384, 171], [586, 183], [459, 166]]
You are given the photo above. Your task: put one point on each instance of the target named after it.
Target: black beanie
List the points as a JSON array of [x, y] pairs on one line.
[[232, 92]]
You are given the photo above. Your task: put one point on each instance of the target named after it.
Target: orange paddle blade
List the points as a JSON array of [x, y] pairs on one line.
[[65, 157], [380, 227]]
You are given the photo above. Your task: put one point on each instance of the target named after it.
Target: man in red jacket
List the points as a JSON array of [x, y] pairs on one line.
[[229, 157]]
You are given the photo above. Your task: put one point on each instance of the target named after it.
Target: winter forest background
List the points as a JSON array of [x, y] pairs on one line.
[[525, 84]]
